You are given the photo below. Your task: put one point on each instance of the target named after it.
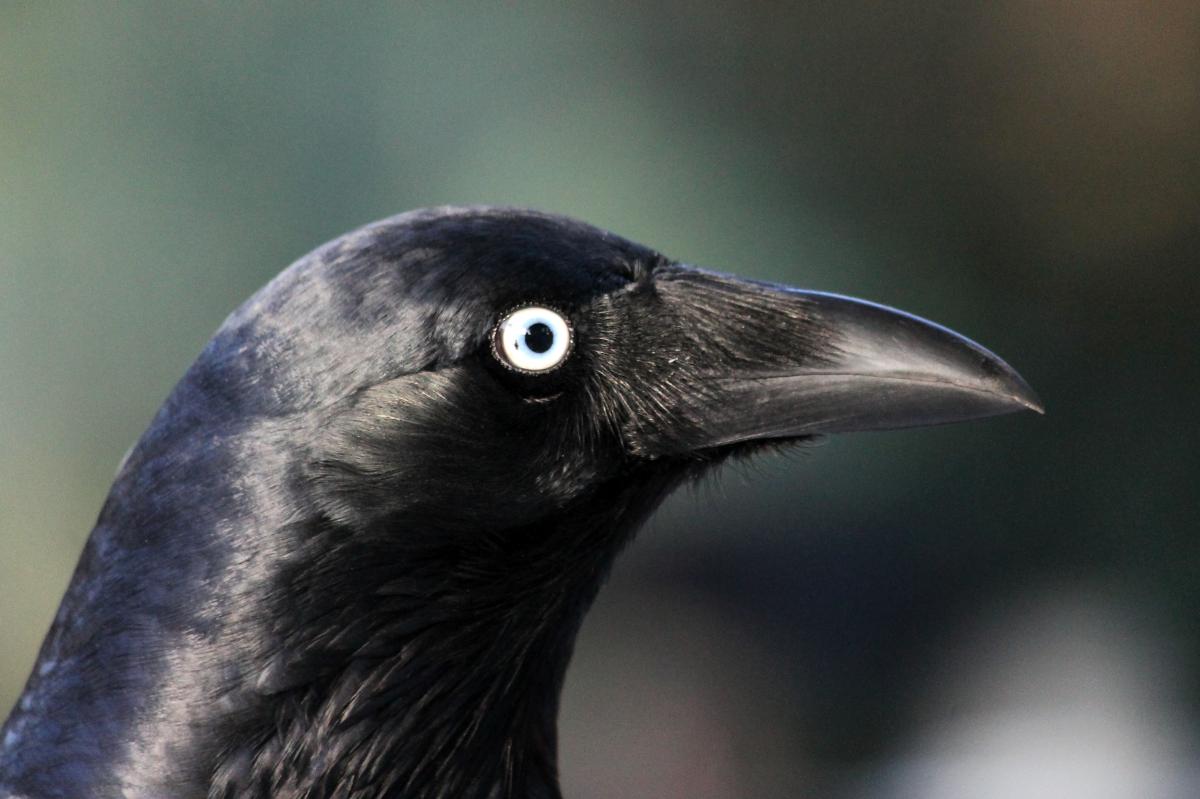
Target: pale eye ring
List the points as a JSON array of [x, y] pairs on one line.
[[532, 339]]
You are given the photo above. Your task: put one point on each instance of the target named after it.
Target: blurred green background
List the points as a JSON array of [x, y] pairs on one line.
[[1005, 608]]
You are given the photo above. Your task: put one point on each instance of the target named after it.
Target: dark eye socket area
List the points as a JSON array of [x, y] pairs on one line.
[[532, 339]]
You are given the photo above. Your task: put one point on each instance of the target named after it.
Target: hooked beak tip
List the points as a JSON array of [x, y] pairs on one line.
[[1030, 402], [1013, 387]]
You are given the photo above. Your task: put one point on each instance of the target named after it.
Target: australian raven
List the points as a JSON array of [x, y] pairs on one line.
[[351, 553]]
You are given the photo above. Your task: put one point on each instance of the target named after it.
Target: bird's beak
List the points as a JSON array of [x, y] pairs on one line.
[[795, 363]]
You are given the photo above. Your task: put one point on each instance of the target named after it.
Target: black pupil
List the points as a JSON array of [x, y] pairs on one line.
[[539, 337]]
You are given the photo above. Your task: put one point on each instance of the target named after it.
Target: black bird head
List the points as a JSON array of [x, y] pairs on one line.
[[350, 555]]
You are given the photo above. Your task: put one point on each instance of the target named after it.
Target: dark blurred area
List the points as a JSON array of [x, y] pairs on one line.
[[998, 609]]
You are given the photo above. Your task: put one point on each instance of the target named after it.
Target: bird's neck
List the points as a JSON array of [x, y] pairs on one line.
[[387, 677], [437, 670], [417, 689], [267, 652]]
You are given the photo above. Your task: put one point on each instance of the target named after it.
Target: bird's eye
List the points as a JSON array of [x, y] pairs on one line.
[[533, 339]]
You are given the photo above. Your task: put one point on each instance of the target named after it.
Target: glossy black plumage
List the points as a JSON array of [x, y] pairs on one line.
[[351, 553]]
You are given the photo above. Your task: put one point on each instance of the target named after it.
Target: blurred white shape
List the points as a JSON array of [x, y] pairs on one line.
[[1068, 695]]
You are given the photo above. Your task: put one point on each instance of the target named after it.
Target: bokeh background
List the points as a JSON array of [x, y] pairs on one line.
[[1000, 609]]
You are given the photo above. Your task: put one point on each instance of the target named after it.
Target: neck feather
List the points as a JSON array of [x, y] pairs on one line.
[[299, 658]]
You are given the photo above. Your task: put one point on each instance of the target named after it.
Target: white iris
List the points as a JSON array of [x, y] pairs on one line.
[[533, 339]]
